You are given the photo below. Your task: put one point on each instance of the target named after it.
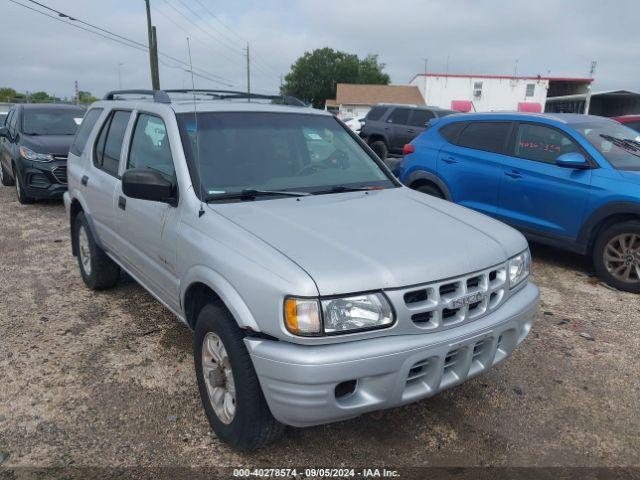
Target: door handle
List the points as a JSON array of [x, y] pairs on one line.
[[84, 180], [513, 174], [449, 160], [122, 203], [410, 130]]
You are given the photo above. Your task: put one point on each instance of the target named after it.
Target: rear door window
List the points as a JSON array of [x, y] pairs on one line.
[[486, 136], [109, 143], [376, 113], [84, 131], [400, 116], [419, 118]]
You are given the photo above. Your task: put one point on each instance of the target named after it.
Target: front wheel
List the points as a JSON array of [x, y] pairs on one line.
[[229, 388], [616, 256], [429, 189], [5, 178], [23, 198], [98, 271]]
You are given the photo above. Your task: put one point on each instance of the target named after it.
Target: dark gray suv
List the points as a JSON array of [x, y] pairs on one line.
[[387, 128]]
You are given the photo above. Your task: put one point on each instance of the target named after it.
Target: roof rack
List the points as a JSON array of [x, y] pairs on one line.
[[162, 96], [159, 96]]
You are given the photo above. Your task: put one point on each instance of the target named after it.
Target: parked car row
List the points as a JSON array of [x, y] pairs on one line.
[[266, 229]]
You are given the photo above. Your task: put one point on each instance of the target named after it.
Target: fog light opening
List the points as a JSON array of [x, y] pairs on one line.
[[345, 389]]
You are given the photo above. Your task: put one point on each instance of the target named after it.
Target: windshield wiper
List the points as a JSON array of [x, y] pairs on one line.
[[631, 146], [251, 194], [343, 188]]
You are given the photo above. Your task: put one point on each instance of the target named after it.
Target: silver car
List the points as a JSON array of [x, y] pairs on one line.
[[317, 286]]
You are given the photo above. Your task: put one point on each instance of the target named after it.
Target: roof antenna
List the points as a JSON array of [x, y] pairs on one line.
[[195, 114]]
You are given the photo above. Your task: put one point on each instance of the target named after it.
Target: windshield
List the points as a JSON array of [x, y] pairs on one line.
[[51, 122], [277, 152], [621, 154]]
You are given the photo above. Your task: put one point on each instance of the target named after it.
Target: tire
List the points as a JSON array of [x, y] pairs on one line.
[[23, 198], [5, 179], [98, 271], [252, 425], [622, 270], [380, 148], [430, 189]]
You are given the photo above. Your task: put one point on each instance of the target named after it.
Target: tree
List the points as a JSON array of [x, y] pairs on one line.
[[86, 97], [314, 76], [7, 94], [39, 97]]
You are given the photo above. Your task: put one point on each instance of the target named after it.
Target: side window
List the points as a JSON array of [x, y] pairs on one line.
[[399, 116], [419, 118], [7, 120], [109, 143], [541, 143], [451, 132], [487, 136], [13, 123], [150, 146], [82, 135]]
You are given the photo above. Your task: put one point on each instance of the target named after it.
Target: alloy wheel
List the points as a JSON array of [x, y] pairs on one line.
[[218, 378], [84, 250], [622, 257]]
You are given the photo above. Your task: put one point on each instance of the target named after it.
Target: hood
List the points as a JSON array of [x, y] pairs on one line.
[[354, 242], [53, 144]]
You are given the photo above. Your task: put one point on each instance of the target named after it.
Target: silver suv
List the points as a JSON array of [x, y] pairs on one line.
[[317, 286]]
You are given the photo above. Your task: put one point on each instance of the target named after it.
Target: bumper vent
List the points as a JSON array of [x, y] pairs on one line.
[[60, 174]]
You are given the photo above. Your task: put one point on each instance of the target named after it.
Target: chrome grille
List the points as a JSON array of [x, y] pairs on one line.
[[60, 174], [448, 303]]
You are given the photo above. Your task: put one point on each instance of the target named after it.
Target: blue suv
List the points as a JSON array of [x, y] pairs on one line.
[[570, 181]]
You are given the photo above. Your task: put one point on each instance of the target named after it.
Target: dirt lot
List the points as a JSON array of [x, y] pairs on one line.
[[106, 379]]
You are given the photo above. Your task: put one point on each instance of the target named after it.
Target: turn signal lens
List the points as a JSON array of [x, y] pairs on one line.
[[302, 316]]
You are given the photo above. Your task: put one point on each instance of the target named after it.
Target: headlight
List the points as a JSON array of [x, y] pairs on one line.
[[29, 154], [340, 315], [519, 268]]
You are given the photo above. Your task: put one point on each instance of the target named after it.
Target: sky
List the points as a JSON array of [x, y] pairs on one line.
[[546, 37]]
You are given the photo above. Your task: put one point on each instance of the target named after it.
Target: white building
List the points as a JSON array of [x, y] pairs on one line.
[[485, 93]]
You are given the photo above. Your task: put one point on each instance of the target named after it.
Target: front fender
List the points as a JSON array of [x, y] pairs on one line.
[[227, 293]]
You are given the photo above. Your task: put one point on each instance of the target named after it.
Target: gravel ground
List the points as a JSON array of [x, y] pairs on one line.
[[106, 379]]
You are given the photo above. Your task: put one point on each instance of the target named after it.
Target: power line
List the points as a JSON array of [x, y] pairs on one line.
[[119, 38]]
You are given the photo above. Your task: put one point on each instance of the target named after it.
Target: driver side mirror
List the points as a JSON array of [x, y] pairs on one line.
[[572, 160], [4, 132], [146, 184]]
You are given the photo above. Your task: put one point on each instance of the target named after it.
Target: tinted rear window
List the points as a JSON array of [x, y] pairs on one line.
[[634, 125], [487, 136], [400, 116], [420, 118], [452, 131], [376, 113], [85, 129]]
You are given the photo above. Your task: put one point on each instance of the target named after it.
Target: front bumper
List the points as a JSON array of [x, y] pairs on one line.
[[299, 382], [43, 180]]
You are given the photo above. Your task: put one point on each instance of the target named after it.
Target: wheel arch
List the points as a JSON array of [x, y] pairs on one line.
[[603, 218], [420, 177], [204, 285]]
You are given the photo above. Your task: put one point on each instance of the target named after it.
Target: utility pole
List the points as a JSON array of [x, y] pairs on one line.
[[153, 50], [77, 92], [120, 75], [281, 84], [426, 62], [587, 102], [248, 73]]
